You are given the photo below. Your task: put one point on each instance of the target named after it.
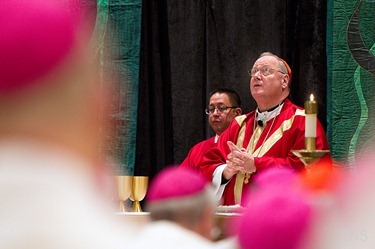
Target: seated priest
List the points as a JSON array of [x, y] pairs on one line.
[[223, 107]]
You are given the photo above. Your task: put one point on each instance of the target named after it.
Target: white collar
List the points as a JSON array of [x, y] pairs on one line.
[[216, 138], [267, 115]]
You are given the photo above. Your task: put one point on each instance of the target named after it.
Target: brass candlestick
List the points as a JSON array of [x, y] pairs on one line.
[[310, 155]]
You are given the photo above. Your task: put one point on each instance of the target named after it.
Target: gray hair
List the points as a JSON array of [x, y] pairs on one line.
[[281, 63], [186, 210]]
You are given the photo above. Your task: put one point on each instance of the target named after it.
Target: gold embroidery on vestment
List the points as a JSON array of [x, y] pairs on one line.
[[241, 177]]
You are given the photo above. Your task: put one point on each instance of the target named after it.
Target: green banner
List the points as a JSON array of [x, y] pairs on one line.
[[120, 22], [351, 78]]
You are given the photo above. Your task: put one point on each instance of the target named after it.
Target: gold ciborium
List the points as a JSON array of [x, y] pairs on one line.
[[138, 192], [124, 187]]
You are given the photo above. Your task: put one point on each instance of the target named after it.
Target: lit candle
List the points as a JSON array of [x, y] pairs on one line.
[[311, 111]]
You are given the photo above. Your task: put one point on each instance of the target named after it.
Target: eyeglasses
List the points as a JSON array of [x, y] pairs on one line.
[[220, 109], [265, 71]]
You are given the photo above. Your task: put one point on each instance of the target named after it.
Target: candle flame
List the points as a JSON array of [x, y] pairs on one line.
[[312, 97]]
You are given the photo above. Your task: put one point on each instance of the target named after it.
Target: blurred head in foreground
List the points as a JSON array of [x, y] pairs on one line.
[[348, 222], [50, 109], [173, 197], [277, 214], [48, 89]]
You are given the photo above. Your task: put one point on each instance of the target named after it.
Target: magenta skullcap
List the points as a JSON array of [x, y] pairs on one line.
[[279, 177], [276, 176], [275, 218], [175, 182], [35, 36]]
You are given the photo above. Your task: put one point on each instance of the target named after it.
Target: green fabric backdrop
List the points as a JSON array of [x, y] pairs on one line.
[[120, 23], [350, 93]]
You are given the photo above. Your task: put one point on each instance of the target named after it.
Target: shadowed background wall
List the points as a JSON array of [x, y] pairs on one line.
[[169, 54]]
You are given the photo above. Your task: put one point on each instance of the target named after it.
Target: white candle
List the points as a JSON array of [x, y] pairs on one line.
[[311, 111]]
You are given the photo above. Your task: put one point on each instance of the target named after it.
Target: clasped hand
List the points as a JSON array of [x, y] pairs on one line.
[[238, 160]]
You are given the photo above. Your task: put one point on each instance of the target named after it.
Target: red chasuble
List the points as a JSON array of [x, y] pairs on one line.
[[196, 153], [271, 146]]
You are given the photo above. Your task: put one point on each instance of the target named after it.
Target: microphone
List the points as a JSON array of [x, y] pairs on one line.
[[260, 123]]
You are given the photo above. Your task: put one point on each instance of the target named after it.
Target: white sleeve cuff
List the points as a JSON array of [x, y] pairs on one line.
[[216, 181]]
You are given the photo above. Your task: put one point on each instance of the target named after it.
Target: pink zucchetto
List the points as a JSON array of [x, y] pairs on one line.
[[275, 177], [175, 182], [275, 218], [35, 37]]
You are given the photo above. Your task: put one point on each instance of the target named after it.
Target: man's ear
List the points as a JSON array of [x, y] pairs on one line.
[[238, 111], [285, 81]]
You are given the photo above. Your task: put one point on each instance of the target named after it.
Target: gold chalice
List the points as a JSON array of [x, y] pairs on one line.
[[138, 192], [124, 187]]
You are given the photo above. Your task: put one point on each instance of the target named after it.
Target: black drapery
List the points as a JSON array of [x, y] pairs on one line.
[[154, 147], [189, 48]]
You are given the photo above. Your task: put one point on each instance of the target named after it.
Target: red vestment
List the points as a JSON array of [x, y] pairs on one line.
[[281, 135], [196, 153]]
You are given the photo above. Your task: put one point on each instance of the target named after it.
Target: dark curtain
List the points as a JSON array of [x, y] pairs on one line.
[[189, 48], [154, 147]]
